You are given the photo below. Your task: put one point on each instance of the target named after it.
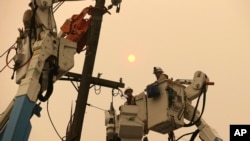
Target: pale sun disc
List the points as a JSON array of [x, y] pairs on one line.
[[131, 58]]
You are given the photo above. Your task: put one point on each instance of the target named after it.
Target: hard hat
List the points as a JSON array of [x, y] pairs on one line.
[[127, 89], [157, 69]]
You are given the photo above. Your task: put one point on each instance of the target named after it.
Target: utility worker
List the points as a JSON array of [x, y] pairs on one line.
[[29, 23], [130, 98], [159, 74], [27, 16]]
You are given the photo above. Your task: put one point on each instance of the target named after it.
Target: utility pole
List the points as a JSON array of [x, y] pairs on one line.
[[75, 130]]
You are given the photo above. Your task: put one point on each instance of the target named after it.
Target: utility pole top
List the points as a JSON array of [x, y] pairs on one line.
[[75, 129]]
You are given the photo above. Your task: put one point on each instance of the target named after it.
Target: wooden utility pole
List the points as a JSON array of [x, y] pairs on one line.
[[75, 130]]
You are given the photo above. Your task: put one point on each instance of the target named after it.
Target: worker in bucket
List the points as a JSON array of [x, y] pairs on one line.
[[159, 74], [27, 16], [129, 95]]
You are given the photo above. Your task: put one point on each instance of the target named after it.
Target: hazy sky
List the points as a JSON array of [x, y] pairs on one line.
[[181, 36]]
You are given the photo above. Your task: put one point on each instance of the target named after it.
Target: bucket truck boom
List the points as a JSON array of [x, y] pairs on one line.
[[162, 108]]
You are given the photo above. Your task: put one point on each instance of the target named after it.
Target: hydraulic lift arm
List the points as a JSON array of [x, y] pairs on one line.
[[40, 51]]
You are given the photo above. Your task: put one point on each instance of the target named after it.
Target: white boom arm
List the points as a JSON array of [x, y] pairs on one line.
[[39, 51]]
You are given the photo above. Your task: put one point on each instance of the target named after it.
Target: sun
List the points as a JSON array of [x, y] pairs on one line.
[[131, 58]]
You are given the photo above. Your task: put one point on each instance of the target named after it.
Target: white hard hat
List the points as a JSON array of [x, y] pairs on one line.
[[128, 88], [157, 69]]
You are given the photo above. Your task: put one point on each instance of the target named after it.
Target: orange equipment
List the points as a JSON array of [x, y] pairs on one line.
[[76, 28]]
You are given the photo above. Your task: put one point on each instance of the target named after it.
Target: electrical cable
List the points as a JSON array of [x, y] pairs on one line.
[[184, 135], [118, 92], [97, 90], [195, 133], [204, 90], [192, 122], [7, 50], [16, 66], [55, 8], [7, 61], [50, 119], [90, 105], [50, 87], [74, 86]]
